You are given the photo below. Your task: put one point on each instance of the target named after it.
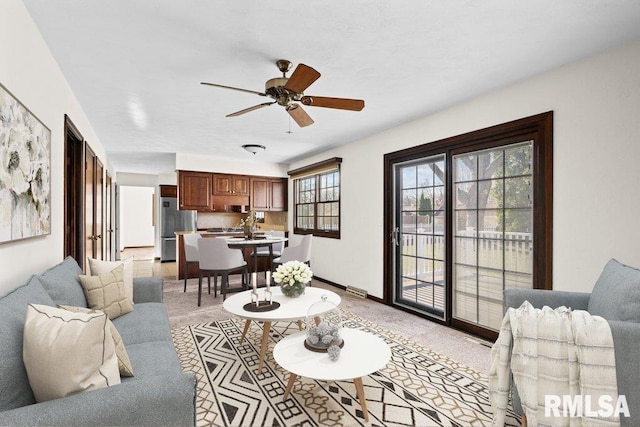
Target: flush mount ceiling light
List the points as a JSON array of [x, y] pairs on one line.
[[254, 148]]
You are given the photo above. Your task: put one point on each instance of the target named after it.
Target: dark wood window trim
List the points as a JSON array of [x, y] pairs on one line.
[[539, 128], [314, 172]]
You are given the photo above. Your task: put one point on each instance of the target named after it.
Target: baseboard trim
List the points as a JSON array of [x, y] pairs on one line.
[[344, 288]]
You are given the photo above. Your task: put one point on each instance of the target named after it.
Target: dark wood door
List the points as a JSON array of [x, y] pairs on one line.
[[194, 190], [93, 206], [99, 210], [108, 217], [89, 203], [74, 242]]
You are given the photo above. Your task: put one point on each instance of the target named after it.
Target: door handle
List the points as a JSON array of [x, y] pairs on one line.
[[394, 236]]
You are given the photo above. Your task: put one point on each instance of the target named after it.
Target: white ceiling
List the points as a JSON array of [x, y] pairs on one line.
[[136, 65]]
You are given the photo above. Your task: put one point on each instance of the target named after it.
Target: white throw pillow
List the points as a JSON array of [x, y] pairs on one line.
[[66, 353], [124, 363], [98, 267]]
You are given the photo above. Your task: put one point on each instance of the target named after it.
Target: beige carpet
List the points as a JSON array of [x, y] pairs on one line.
[[457, 345], [418, 387]]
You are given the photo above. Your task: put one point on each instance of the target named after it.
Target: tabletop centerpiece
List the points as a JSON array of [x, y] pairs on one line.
[[293, 277], [249, 224], [323, 326], [267, 303]]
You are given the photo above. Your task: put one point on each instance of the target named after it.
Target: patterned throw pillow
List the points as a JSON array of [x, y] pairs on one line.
[[98, 267], [124, 364], [65, 353], [106, 293]]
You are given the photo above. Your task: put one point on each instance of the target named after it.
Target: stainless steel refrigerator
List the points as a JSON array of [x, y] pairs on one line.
[[172, 220]]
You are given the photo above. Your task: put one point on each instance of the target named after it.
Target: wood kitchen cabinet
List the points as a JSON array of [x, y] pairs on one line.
[[269, 194], [230, 185], [194, 190], [215, 192], [168, 191]]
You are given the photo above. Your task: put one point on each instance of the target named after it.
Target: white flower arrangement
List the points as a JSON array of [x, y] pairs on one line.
[[292, 277]]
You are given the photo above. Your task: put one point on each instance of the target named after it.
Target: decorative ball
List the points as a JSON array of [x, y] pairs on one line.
[[333, 352]]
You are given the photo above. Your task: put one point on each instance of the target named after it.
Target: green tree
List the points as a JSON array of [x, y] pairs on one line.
[[516, 192], [425, 207]]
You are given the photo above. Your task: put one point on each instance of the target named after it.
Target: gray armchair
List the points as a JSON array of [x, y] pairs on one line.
[[615, 297]]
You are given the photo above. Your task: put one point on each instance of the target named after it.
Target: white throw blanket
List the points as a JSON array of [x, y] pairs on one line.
[[553, 353]]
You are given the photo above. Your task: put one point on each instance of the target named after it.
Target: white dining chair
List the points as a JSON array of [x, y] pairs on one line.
[[190, 253], [217, 258], [300, 252]]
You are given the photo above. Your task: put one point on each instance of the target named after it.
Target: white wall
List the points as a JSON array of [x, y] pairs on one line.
[[28, 70], [152, 181], [136, 216], [596, 104]]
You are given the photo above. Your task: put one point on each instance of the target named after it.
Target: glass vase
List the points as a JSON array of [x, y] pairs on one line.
[[292, 290], [248, 232]]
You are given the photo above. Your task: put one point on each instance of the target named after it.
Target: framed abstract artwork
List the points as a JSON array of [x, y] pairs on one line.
[[25, 170]]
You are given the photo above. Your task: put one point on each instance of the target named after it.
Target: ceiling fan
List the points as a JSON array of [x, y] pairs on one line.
[[288, 92]]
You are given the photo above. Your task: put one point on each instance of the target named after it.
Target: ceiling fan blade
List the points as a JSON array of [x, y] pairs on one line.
[[303, 76], [234, 88], [340, 103], [246, 110], [299, 115]]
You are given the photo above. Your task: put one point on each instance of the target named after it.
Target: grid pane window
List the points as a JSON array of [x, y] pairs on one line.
[[318, 204], [421, 235], [493, 230]]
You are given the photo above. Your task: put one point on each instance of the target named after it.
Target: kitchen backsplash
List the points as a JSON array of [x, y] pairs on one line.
[[272, 220]]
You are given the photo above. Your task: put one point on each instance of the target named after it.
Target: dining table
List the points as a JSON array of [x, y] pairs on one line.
[[254, 243]]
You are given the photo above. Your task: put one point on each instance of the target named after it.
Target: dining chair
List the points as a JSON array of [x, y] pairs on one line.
[[217, 258], [190, 253], [300, 252], [263, 251]]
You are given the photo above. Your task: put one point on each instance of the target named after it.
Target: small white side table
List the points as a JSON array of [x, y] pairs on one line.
[[363, 353], [290, 310]]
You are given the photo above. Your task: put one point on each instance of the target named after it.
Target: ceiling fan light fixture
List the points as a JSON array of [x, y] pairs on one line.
[[287, 91], [254, 148]]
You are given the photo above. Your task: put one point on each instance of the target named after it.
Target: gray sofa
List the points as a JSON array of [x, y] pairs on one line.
[[615, 297], [158, 394]]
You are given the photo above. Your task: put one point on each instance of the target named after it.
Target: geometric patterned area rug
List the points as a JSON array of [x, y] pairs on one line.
[[417, 387]]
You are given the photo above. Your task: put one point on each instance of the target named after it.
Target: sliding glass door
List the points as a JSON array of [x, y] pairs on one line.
[[467, 218]]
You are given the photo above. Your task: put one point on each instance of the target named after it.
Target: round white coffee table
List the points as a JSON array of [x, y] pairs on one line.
[[363, 353], [291, 309]]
